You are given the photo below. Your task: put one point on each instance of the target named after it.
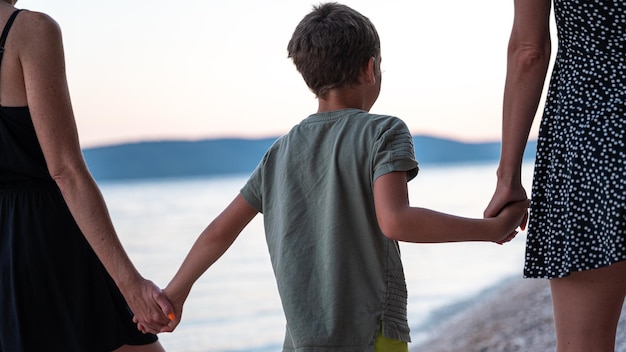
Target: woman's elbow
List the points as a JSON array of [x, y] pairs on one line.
[[529, 56], [66, 175]]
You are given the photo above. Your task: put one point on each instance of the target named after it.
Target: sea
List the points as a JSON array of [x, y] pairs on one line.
[[235, 307]]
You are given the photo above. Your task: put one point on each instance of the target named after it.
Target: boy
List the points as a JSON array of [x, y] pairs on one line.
[[333, 192]]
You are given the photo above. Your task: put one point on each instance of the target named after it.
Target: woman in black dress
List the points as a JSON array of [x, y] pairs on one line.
[[66, 283], [577, 227]]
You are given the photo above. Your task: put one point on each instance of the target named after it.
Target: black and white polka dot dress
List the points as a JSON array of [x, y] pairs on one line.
[[578, 207]]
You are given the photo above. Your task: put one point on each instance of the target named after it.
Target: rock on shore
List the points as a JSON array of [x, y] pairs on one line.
[[514, 316]]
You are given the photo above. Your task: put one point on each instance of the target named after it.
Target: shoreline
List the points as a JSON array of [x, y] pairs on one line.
[[513, 315]]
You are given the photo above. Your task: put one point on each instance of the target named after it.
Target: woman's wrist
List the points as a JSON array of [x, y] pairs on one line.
[[128, 281], [509, 177]]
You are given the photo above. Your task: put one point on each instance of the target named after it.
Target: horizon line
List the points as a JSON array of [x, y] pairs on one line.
[[257, 138]]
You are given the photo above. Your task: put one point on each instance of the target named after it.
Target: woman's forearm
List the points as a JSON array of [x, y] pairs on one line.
[[528, 59], [526, 72], [88, 208]]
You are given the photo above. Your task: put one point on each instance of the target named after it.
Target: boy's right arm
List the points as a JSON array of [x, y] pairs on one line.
[[208, 248], [399, 221]]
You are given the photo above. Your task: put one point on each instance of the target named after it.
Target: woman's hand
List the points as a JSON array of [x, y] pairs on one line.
[[149, 305], [514, 215], [502, 197]]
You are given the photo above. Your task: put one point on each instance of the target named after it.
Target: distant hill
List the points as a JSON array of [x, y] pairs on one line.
[[230, 156]]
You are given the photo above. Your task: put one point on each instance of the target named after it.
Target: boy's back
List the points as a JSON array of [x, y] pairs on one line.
[[338, 276], [329, 189]]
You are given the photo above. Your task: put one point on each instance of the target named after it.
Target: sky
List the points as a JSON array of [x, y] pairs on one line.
[[155, 70]]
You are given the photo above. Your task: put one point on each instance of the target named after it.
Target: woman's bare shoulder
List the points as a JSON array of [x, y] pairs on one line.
[[33, 32], [34, 17], [35, 24]]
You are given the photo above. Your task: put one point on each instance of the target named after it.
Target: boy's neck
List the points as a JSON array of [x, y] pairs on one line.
[[344, 98]]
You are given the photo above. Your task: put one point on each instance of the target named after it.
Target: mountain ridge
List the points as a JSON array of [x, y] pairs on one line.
[[231, 156]]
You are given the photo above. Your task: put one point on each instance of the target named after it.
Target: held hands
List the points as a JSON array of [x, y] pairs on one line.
[[503, 196], [177, 301], [171, 305], [512, 216], [150, 306], [507, 196]]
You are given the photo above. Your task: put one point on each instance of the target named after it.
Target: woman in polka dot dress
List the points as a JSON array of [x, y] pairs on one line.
[[576, 235]]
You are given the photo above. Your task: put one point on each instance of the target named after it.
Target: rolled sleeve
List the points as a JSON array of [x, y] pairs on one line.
[[395, 153]]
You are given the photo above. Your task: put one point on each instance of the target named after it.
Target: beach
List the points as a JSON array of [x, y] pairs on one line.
[[515, 315]]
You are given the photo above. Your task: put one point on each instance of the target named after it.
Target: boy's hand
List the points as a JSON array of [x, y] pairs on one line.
[[512, 216], [177, 303]]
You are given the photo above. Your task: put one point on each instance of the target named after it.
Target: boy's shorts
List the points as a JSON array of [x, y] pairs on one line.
[[385, 344]]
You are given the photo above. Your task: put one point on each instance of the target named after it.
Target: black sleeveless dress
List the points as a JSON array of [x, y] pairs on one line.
[[55, 295], [578, 207]]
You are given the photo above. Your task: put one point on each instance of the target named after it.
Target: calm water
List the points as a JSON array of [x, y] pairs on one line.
[[235, 305]]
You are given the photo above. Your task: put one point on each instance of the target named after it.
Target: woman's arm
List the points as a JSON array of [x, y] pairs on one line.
[[527, 64], [43, 64]]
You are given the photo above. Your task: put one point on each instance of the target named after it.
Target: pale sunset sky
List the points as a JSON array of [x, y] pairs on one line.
[[153, 70]]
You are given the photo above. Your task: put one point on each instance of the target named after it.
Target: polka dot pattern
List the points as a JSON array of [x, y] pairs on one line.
[[578, 207]]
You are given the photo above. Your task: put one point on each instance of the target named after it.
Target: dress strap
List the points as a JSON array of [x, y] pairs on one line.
[[5, 32]]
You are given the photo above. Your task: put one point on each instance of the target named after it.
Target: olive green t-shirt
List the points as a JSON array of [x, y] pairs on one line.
[[339, 278]]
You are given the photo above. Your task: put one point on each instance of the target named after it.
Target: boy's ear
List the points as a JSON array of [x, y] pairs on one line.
[[369, 71]]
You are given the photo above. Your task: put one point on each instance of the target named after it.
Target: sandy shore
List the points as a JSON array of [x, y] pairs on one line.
[[516, 315]]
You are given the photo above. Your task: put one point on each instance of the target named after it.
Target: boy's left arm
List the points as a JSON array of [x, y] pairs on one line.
[[208, 248], [398, 220]]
